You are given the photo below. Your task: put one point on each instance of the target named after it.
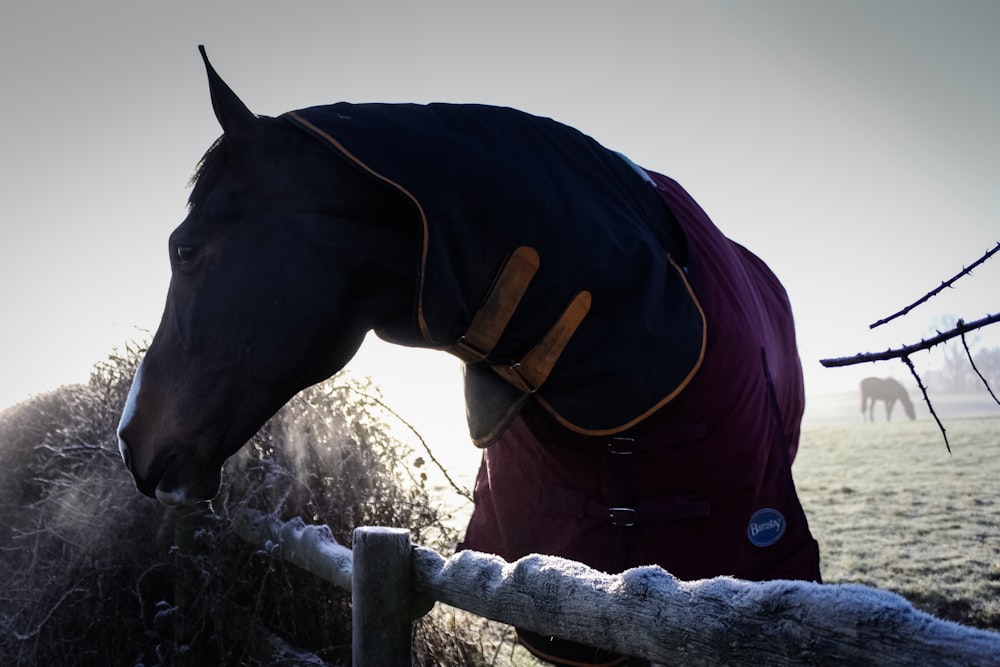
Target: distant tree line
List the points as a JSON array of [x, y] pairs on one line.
[[956, 374]]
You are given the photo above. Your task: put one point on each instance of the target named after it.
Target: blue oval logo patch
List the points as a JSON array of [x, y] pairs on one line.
[[766, 527]]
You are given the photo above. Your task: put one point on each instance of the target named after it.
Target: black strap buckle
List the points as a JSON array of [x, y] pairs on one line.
[[620, 445], [623, 517]]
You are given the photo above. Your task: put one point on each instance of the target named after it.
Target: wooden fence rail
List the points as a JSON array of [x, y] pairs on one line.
[[643, 612]]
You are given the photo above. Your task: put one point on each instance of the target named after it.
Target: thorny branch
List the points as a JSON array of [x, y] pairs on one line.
[[927, 400], [968, 355], [966, 270], [960, 329]]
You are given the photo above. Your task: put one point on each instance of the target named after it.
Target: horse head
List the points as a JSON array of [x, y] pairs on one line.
[[287, 257]]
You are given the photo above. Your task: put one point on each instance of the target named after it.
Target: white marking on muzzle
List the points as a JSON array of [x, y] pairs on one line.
[[129, 410]]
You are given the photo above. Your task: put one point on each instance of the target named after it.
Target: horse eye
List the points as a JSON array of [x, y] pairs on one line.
[[184, 253]]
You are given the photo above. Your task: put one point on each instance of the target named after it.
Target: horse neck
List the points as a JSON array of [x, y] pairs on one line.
[[386, 253]]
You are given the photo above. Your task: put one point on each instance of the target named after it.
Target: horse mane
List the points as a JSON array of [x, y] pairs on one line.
[[206, 171]]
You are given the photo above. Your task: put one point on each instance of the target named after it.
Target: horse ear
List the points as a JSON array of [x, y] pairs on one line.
[[235, 118]]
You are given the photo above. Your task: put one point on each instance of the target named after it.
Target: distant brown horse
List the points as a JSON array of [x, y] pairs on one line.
[[888, 390]]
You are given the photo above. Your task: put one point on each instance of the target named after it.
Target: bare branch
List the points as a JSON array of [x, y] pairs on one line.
[[972, 363], [23, 636], [927, 400], [947, 283], [961, 327], [460, 490]]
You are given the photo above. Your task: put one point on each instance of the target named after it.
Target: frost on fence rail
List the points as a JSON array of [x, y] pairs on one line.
[[647, 612], [310, 547]]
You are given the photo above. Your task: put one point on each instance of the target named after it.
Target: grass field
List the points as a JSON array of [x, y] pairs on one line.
[[892, 509]]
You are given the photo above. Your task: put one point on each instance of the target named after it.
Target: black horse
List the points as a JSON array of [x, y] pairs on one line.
[[888, 390], [631, 373]]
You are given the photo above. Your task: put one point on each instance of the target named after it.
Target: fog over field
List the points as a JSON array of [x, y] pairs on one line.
[[852, 144]]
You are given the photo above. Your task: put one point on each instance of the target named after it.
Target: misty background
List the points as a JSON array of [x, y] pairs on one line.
[[852, 145]]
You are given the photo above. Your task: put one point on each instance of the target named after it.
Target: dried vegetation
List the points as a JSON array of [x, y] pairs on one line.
[[95, 573]]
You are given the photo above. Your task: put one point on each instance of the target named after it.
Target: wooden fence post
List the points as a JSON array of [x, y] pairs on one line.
[[382, 597]]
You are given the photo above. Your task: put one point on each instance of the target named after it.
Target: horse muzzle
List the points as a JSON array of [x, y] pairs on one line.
[[171, 480], [172, 465]]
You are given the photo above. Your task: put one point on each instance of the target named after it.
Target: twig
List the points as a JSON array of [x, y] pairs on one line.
[[927, 400], [972, 363], [460, 490], [961, 327], [948, 283], [23, 636]]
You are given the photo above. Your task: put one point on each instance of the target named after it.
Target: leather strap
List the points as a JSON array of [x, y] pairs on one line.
[[492, 318], [534, 368], [494, 315]]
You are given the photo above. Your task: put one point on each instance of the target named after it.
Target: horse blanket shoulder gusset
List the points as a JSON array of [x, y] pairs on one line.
[[547, 262]]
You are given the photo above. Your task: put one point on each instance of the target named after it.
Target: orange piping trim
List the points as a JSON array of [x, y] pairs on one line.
[[669, 397]]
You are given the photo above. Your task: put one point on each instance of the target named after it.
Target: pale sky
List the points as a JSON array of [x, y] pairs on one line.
[[853, 145]]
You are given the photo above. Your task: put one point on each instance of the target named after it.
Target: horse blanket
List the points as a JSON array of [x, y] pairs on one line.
[[707, 478], [665, 428], [703, 487]]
